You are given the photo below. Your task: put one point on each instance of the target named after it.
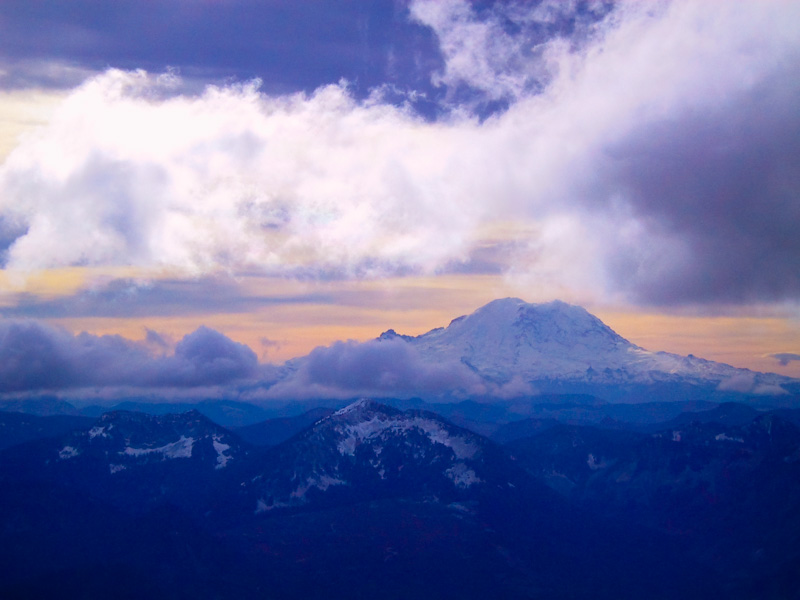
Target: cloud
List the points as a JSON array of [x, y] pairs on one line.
[[497, 51], [268, 345], [127, 297], [38, 357], [230, 180], [742, 382], [719, 188], [206, 357], [785, 357], [19, 111], [157, 341], [515, 388], [749, 383], [648, 149], [376, 368], [33, 73], [662, 141], [385, 367], [478, 52]]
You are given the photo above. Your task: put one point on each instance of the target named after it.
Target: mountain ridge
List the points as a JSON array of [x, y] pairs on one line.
[[372, 494]]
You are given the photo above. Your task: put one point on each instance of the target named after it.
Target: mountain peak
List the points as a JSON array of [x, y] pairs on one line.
[[361, 409], [502, 308], [566, 322], [391, 334], [574, 315], [510, 337], [374, 448], [510, 323]]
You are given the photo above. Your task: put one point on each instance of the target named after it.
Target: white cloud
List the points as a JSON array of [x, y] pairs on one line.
[[232, 178], [22, 110], [131, 172], [477, 52], [746, 383]]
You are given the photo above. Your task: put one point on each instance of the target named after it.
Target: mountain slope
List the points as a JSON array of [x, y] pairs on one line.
[[732, 491], [369, 450], [132, 460], [424, 502]]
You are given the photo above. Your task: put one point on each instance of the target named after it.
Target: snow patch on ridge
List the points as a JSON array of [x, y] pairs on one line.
[[594, 464], [438, 435], [727, 438], [68, 452], [362, 403], [262, 506], [222, 458], [364, 430], [462, 476], [321, 482], [97, 430], [357, 433], [180, 449]]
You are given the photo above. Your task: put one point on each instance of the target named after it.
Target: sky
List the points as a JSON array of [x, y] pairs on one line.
[[194, 191]]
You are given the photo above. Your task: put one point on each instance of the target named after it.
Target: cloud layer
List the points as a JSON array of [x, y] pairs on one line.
[[649, 150], [132, 298], [375, 368], [39, 357]]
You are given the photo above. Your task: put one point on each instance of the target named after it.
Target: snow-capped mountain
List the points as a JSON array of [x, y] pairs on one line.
[[559, 342], [367, 450]]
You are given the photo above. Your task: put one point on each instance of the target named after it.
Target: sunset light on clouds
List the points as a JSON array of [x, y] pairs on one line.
[[218, 193]]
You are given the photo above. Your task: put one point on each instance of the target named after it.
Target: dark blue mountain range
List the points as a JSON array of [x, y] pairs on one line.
[[372, 501]]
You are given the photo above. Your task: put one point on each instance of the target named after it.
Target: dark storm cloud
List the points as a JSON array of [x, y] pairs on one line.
[[35, 356], [166, 297], [291, 45], [377, 367], [722, 186]]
